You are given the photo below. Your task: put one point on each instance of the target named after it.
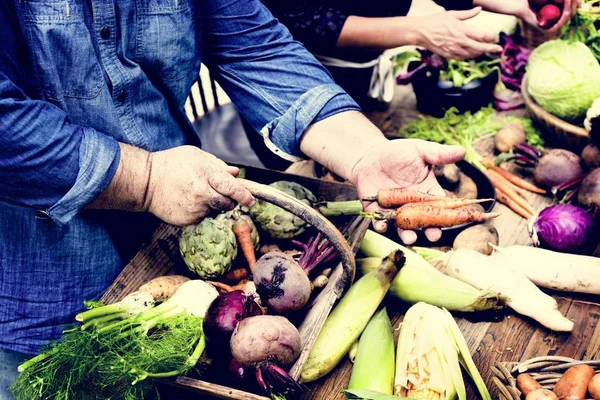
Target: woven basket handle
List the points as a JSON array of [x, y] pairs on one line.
[[311, 217]]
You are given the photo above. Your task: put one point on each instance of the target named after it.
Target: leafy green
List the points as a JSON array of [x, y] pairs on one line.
[[404, 58], [466, 129], [462, 72]]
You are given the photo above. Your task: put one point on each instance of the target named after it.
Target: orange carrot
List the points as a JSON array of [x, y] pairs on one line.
[[388, 198], [515, 188], [520, 182], [243, 232], [510, 203], [427, 216], [236, 275], [222, 287], [449, 203], [502, 184]]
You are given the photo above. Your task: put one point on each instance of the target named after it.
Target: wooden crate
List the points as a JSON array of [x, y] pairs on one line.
[[161, 257]]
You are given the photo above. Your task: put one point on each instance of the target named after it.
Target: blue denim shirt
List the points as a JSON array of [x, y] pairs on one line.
[[76, 78]]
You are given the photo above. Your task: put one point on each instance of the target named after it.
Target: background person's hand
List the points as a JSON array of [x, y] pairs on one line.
[[186, 184], [448, 35], [403, 163]]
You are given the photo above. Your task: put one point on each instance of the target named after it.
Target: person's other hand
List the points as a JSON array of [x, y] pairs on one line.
[[403, 163], [528, 16], [448, 35], [186, 184]]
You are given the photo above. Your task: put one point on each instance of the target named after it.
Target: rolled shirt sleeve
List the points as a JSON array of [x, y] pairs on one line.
[[275, 83], [45, 161]]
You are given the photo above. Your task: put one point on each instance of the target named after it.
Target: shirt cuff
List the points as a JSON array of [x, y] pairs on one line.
[[282, 135], [99, 157]]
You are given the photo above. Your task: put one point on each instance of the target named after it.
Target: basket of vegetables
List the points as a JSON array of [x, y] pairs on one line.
[[229, 307], [441, 84], [547, 378]]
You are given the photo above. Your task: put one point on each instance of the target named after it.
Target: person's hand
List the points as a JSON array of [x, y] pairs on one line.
[[186, 184], [403, 163], [569, 9], [448, 35]]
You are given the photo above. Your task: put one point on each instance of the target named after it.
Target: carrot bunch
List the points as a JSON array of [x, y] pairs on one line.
[[418, 210], [510, 189]]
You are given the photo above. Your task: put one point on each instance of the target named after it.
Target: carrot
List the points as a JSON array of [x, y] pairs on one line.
[[520, 182], [449, 203], [510, 203], [242, 231], [520, 191], [388, 198], [503, 185], [236, 275], [527, 384], [427, 216]]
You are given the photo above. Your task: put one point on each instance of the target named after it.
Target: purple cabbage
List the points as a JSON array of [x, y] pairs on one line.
[[226, 311], [512, 70], [563, 227]]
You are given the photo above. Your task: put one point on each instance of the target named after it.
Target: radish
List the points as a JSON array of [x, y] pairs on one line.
[[487, 273], [548, 16], [552, 270]]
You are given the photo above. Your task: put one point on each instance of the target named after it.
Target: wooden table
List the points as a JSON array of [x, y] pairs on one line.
[[514, 338]]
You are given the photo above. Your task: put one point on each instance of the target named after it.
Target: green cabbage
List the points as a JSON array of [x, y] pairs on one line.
[[564, 78]]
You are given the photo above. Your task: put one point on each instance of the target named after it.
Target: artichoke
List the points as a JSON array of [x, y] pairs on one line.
[[275, 220], [229, 218], [208, 248]]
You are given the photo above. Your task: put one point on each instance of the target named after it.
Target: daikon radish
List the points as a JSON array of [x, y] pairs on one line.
[[485, 273], [551, 269]]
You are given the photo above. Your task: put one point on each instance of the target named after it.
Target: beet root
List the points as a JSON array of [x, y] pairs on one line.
[[589, 191], [557, 166], [265, 338], [281, 283]]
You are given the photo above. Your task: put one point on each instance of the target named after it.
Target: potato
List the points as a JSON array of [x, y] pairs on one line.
[[477, 238], [574, 382], [467, 189], [163, 287], [594, 387], [527, 384], [449, 194], [447, 175], [541, 394], [509, 136]]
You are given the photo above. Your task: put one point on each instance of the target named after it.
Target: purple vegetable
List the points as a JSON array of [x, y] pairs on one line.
[[512, 69], [429, 61], [563, 227], [557, 166], [226, 311], [282, 283], [589, 191]]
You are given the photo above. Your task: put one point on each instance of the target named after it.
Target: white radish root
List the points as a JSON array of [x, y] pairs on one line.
[[163, 287], [486, 273], [551, 269]]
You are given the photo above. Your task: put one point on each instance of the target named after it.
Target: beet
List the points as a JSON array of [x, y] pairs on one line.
[[589, 191], [281, 283], [591, 156], [557, 166]]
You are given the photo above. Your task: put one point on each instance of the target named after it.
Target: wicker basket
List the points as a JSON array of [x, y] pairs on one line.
[[557, 132], [533, 36], [546, 370]]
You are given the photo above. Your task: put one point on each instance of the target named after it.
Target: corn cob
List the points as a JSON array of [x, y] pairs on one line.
[[350, 317], [430, 351], [376, 347], [414, 284]]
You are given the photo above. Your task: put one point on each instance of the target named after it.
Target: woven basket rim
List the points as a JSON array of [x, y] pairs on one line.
[[548, 118]]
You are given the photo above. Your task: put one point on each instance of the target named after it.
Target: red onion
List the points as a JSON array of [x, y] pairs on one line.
[[226, 311], [562, 227]]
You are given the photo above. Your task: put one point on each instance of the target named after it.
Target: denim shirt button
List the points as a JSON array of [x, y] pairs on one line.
[[105, 33]]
